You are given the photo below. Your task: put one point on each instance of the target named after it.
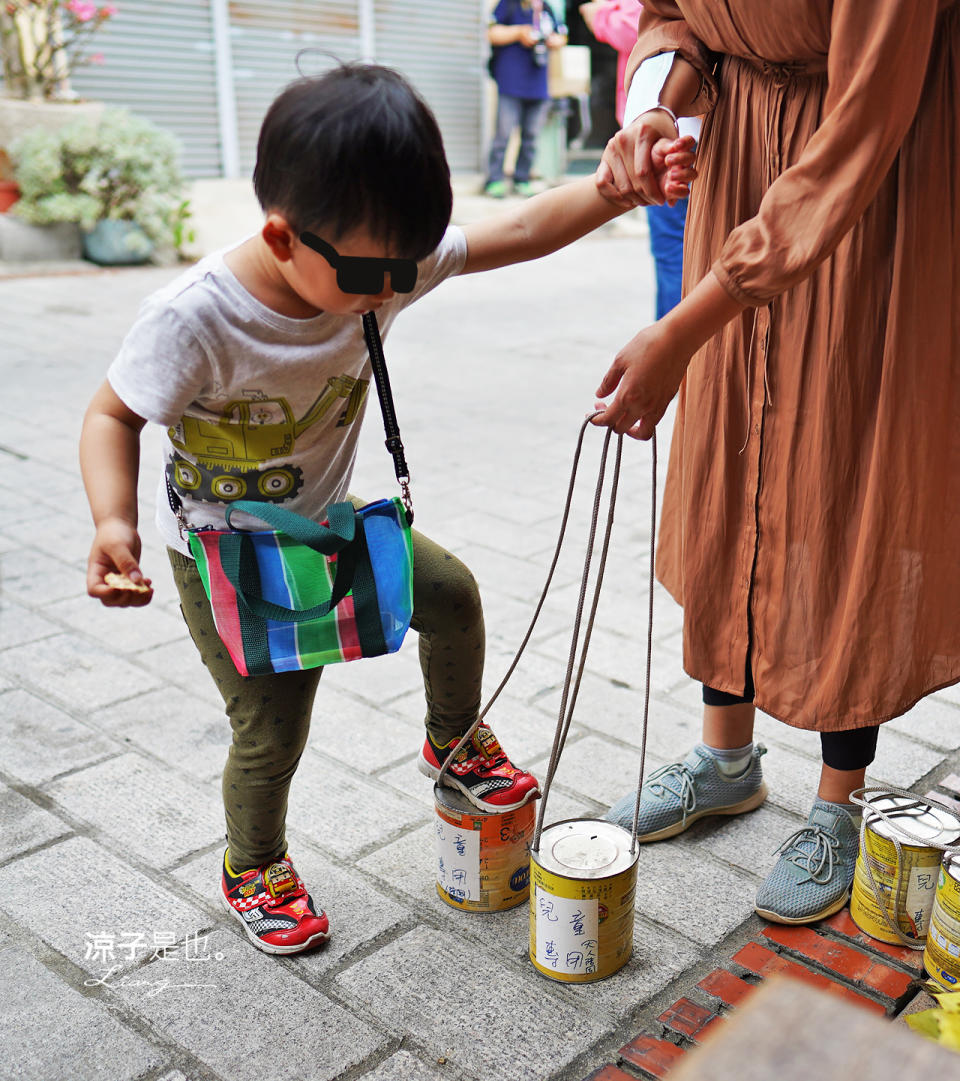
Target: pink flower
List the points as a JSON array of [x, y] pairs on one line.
[[82, 10], [107, 11], [97, 58]]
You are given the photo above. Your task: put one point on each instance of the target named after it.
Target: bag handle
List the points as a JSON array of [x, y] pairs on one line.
[[325, 539], [239, 561]]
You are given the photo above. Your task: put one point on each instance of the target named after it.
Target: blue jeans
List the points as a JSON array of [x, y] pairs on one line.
[[526, 113], [666, 243]]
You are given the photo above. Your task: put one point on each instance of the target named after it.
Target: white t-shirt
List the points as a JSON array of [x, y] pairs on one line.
[[257, 405]]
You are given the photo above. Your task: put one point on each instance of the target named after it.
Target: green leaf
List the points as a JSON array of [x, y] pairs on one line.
[[926, 1022], [950, 1030]]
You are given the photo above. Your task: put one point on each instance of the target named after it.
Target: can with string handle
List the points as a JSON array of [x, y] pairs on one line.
[[903, 837], [941, 956], [583, 872], [482, 861], [583, 877]]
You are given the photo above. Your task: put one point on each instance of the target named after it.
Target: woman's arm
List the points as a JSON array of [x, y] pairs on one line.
[[647, 372]]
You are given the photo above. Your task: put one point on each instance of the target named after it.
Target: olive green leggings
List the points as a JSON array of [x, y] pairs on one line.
[[270, 715]]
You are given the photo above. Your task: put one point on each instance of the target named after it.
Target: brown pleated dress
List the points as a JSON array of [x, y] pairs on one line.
[[811, 518]]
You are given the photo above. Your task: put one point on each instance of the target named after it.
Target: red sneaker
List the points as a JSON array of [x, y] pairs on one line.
[[481, 771], [272, 904]]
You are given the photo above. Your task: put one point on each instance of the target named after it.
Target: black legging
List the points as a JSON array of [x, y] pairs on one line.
[[853, 749]]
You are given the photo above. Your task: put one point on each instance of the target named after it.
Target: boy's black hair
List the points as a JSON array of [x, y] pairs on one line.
[[356, 148]]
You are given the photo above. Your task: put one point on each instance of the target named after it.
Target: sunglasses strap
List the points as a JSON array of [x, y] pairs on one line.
[[393, 443]]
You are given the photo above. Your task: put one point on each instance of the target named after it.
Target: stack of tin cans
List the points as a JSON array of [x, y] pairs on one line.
[[906, 886]]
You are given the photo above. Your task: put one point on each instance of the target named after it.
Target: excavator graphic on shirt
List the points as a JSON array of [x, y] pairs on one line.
[[244, 453]]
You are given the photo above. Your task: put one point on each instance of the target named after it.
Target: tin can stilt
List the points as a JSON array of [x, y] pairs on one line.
[[583, 881], [906, 885], [482, 858], [941, 957]]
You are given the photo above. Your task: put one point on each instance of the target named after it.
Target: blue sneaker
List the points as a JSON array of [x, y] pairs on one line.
[[813, 876], [679, 794]]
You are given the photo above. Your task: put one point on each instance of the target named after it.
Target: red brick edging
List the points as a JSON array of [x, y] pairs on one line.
[[834, 955]]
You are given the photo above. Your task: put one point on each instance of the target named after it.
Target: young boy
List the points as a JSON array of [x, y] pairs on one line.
[[355, 187]]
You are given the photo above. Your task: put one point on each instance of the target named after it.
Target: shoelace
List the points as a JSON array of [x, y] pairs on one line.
[[687, 793], [824, 852]]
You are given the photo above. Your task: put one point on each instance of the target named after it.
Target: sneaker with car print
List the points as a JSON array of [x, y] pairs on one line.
[[273, 907], [481, 771]]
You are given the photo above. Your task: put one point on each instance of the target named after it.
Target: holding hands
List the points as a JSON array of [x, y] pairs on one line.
[[642, 165], [646, 162]]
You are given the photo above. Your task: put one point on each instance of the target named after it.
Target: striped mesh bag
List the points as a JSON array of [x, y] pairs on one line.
[[305, 594]]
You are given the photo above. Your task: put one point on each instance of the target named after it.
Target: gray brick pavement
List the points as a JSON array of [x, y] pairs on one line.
[[111, 737]]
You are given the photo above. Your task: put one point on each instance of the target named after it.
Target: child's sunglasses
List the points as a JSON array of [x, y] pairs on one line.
[[365, 276]]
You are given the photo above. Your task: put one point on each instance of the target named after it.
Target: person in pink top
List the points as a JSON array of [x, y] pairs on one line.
[[615, 22]]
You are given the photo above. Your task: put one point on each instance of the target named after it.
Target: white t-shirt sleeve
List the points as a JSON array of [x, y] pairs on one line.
[[161, 366], [446, 260]]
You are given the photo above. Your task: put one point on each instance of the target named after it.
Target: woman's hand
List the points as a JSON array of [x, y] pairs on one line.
[[647, 371], [646, 375], [634, 168]]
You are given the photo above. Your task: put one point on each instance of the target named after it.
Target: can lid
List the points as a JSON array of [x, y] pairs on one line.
[[585, 848], [452, 799], [917, 819]]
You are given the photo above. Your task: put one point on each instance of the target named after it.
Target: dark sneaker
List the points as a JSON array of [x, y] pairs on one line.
[[272, 904], [681, 793], [481, 771], [813, 876], [496, 189]]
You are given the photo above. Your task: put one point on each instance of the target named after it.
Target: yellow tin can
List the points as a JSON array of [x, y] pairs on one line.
[[941, 956], [482, 859], [907, 887], [583, 881]]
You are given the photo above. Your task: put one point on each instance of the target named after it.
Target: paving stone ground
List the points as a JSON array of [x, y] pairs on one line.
[[118, 961]]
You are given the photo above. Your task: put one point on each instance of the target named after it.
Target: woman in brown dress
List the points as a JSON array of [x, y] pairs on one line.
[[811, 519]]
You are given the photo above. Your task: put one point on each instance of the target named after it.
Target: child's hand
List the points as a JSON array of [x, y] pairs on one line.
[[116, 551], [673, 160]]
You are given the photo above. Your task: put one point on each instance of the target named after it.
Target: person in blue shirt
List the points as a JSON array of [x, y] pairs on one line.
[[522, 32]]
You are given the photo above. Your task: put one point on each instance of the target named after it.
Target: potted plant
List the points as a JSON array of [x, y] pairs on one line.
[[41, 43], [118, 179]]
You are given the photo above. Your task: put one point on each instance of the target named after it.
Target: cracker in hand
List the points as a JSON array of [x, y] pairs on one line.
[[121, 581]]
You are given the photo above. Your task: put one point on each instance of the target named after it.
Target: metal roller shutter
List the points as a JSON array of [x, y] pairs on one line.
[[265, 39], [439, 46], [159, 61]]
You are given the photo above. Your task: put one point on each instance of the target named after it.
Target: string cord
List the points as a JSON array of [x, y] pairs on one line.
[[571, 686]]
